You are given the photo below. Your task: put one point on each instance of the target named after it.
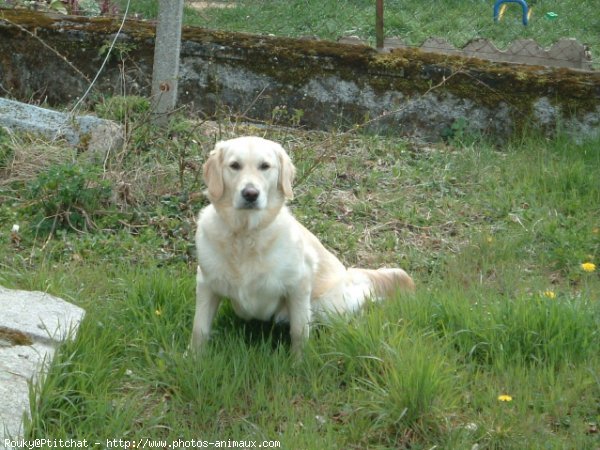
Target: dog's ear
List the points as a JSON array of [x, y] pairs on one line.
[[287, 173], [213, 173]]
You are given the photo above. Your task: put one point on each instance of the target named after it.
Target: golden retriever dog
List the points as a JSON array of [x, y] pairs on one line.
[[252, 251]]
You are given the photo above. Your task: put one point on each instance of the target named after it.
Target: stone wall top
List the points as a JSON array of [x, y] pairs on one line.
[[567, 52]]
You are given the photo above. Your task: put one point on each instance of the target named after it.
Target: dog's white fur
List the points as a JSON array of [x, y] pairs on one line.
[[252, 250]]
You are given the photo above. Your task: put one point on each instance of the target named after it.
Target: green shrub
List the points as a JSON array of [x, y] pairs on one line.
[[122, 108], [6, 150], [68, 196]]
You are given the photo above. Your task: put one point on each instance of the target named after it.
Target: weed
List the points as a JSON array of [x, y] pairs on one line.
[[6, 150], [68, 197], [127, 109]]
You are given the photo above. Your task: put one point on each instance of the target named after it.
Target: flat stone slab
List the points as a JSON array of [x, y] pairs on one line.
[[32, 325], [90, 132]]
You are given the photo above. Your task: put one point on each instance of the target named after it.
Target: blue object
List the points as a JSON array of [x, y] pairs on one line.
[[523, 4]]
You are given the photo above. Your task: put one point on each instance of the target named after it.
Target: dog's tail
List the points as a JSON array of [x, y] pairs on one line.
[[385, 282], [364, 284]]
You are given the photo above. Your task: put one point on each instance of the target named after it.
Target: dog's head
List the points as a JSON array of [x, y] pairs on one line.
[[249, 173]]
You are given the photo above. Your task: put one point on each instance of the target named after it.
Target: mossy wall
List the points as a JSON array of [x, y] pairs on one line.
[[314, 83]]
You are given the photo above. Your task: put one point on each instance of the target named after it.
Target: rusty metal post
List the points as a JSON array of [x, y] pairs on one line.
[[379, 24]]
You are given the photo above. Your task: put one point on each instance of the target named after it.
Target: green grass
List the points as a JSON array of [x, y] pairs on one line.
[[412, 20], [486, 231]]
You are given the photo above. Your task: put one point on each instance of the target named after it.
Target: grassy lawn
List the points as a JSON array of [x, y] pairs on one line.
[[412, 20], [494, 236]]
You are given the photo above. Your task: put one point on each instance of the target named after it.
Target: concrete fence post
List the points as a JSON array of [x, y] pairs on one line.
[[165, 71]]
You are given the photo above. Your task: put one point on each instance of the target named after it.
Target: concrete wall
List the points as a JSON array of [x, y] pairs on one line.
[[314, 83]]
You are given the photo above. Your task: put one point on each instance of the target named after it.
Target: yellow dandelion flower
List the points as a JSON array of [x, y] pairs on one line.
[[588, 266], [505, 398], [158, 312], [550, 294]]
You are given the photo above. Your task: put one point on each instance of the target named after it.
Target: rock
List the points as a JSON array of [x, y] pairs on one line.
[[97, 136], [32, 325]]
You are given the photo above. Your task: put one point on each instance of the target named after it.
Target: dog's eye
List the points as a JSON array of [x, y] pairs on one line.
[[264, 166], [235, 165]]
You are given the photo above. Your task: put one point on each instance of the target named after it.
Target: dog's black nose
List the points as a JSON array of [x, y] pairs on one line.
[[250, 193]]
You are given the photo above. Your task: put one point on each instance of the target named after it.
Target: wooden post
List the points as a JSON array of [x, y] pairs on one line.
[[379, 24], [166, 59]]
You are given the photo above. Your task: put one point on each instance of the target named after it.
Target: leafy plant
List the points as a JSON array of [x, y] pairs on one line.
[[68, 196], [123, 108], [6, 150], [458, 131]]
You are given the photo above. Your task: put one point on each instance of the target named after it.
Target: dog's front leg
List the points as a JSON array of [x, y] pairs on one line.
[[207, 304], [300, 316]]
